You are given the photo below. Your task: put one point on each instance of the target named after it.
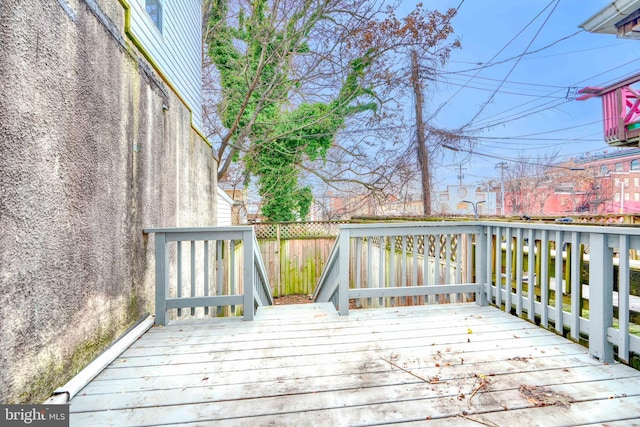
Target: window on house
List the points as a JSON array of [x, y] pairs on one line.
[[619, 167], [636, 197], [154, 9], [604, 170], [636, 182], [635, 165]]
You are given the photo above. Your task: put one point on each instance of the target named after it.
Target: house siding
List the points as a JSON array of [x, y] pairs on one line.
[[177, 50]]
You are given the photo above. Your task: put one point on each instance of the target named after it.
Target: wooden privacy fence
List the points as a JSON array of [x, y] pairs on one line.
[[208, 271], [295, 253]]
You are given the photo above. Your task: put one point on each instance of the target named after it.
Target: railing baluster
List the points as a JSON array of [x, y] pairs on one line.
[[437, 280], [508, 269], [576, 285], [403, 268], [531, 273], [498, 255], [559, 322], [459, 257], [623, 299], [369, 302], [447, 263], [344, 240], [193, 273], [482, 262], [220, 272], [162, 278], [205, 245], [392, 266], [469, 260], [414, 265], [519, 270], [179, 284], [489, 265], [600, 296], [381, 264], [249, 278], [544, 280], [427, 267], [232, 273], [358, 262]]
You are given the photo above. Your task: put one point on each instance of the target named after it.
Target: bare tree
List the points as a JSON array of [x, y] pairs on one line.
[[528, 183], [272, 61]]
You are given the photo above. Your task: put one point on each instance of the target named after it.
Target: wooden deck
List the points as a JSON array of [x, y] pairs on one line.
[[440, 365]]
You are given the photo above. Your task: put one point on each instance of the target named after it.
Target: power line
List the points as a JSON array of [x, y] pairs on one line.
[[556, 130], [484, 105], [503, 92], [515, 83], [509, 159], [508, 118], [494, 56], [517, 57]]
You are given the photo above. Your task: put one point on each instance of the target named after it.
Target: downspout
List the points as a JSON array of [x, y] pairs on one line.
[[65, 393]]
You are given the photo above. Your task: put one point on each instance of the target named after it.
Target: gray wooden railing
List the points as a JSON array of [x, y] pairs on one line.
[[211, 268], [583, 263], [391, 264], [515, 266]]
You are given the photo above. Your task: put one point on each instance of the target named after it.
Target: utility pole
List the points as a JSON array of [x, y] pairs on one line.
[[460, 176], [502, 166], [423, 153]]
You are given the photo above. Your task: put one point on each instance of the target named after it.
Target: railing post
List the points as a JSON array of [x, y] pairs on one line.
[[600, 297], [343, 271], [248, 274], [162, 278], [481, 265]]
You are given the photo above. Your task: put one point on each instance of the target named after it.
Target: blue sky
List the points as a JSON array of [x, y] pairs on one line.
[[536, 87]]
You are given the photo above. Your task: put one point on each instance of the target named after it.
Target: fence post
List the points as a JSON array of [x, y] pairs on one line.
[[162, 278], [343, 271], [248, 274], [600, 297]]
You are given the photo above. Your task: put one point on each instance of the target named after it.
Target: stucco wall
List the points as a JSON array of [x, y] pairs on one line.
[[88, 158]]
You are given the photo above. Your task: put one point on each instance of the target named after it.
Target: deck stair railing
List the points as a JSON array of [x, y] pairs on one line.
[[402, 263], [200, 271], [572, 279]]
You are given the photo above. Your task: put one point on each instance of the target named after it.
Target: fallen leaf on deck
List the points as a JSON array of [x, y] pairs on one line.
[[543, 396]]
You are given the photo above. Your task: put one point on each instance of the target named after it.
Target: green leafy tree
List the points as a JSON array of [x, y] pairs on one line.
[[290, 75]]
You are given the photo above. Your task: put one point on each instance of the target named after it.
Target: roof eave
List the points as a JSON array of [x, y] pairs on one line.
[[604, 22]]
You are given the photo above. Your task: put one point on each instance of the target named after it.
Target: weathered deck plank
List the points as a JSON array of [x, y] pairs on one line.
[[304, 365]]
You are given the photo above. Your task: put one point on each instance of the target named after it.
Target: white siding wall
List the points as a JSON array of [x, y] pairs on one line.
[[224, 208], [178, 49]]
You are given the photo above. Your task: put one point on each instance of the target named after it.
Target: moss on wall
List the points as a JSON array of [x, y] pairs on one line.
[[56, 372], [88, 159]]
